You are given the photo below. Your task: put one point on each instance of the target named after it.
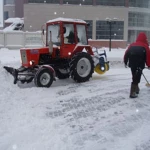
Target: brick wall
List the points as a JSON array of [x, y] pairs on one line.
[[114, 44]]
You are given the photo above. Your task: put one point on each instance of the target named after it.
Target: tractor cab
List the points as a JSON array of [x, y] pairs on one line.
[[65, 34]]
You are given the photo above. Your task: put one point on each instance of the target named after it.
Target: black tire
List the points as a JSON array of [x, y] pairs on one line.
[[44, 78], [81, 67], [62, 74]]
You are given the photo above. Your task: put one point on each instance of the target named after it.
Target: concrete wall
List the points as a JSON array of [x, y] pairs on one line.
[[19, 39], [35, 15], [2, 39], [105, 43]]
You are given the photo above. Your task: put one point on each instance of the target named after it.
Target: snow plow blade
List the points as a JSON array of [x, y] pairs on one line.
[[13, 72]]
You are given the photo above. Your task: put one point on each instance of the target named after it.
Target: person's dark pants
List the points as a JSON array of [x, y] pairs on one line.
[[136, 75]]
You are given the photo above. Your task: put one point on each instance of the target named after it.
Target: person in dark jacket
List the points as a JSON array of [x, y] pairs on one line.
[[135, 57], [70, 37]]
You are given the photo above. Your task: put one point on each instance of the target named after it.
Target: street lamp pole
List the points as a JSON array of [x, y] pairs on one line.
[[109, 22], [109, 35]]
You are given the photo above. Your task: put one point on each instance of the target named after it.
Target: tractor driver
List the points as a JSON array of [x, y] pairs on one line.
[[70, 38]]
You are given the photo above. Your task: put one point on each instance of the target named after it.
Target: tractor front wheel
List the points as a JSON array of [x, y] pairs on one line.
[[81, 67], [44, 78]]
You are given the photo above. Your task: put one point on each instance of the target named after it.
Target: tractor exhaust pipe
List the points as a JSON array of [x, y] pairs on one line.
[[50, 44]]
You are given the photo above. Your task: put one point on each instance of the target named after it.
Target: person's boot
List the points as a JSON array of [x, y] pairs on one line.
[[133, 91], [137, 89]]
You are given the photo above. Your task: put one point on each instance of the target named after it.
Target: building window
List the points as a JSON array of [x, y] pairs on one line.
[[6, 16], [44, 1], [132, 35], [71, 2], [137, 19], [89, 29], [86, 2], [139, 3], [103, 30], [9, 2], [110, 2], [78, 2]]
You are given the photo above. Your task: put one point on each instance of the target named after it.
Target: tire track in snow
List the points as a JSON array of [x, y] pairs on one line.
[[101, 102], [92, 86], [145, 146], [65, 105]]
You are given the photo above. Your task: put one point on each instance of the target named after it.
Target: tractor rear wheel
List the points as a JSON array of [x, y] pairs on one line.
[[44, 78], [81, 67], [62, 73]]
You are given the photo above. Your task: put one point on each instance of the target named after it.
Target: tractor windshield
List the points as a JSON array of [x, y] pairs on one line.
[[55, 32]]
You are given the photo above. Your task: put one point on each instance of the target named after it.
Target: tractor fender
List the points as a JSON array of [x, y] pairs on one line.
[[48, 67], [80, 48]]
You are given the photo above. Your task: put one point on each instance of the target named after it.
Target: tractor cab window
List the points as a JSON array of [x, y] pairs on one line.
[[69, 37], [54, 34], [81, 34]]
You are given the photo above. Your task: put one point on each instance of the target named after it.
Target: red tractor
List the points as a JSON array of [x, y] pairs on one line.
[[66, 54]]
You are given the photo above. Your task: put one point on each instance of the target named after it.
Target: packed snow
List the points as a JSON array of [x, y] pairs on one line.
[[95, 115], [14, 20], [66, 20]]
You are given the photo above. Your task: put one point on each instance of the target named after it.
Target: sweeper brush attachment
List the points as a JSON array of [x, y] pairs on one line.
[[100, 61], [101, 69]]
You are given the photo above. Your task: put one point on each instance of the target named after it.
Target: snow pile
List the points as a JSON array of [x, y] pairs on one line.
[[9, 57], [66, 20], [6, 80], [14, 20]]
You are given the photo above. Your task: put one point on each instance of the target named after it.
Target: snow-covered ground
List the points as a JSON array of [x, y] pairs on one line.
[[96, 115]]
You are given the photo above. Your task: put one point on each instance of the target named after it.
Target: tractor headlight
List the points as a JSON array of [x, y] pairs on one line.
[[31, 62], [69, 53]]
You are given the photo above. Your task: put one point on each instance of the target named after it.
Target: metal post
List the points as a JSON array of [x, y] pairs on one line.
[[110, 36], [110, 22]]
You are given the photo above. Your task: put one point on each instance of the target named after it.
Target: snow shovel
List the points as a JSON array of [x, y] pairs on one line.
[[147, 84]]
